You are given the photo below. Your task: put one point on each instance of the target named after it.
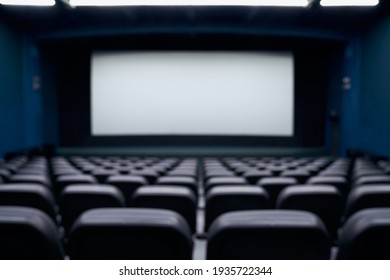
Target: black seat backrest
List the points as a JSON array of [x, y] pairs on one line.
[[102, 174], [4, 174], [28, 234], [29, 195], [268, 235], [365, 236], [323, 200], [339, 182], [274, 185], [363, 197], [372, 180], [219, 181], [127, 184], [301, 175], [149, 174], [223, 199], [253, 176], [189, 182], [30, 179], [66, 180], [130, 234], [76, 199], [176, 198]]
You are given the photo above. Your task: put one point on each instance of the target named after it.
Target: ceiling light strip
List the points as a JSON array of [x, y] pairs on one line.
[[339, 3], [289, 3], [28, 2]]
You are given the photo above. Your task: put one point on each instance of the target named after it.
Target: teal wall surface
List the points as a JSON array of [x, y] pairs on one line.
[[11, 90], [374, 115], [21, 112]]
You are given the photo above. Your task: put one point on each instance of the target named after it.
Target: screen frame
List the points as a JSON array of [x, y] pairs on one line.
[[73, 89], [287, 56]]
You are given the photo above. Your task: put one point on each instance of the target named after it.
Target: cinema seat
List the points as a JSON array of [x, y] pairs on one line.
[[102, 174], [130, 234], [253, 176], [241, 169], [363, 197], [188, 182], [76, 199], [323, 200], [334, 171], [28, 234], [127, 184], [32, 171], [5, 174], [268, 235], [222, 199], [183, 171], [339, 182], [225, 181], [372, 180], [87, 168], [149, 174], [29, 195], [274, 185], [30, 179], [277, 168], [368, 173], [365, 236], [66, 180], [11, 167], [217, 172], [300, 175], [59, 171], [176, 198]]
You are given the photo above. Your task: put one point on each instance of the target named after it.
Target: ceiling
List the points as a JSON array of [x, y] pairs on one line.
[[62, 20]]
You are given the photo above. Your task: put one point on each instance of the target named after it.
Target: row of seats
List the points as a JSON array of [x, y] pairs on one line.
[[125, 233], [215, 173], [128, 185], [315, 198], [323, 200], [65, 188]]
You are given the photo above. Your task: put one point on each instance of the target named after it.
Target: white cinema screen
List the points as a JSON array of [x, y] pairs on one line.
[[192, 93]]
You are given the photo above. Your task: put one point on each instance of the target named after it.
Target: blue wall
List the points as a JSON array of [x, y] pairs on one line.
[[350, 97], [29, 116], [364, 108], [32, 95], [334, 105], [20, 103], [11, 86], [372, 115]]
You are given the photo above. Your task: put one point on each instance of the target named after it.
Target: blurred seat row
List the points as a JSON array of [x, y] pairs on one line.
[[162, 208]]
